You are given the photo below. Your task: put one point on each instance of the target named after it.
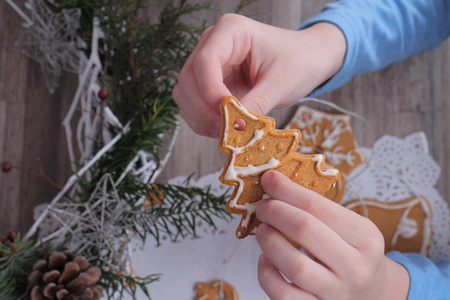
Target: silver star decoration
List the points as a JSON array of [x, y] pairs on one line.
[[51, 40], [98, 224]]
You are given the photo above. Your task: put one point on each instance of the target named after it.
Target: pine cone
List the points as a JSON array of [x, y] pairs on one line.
[[64, 276]]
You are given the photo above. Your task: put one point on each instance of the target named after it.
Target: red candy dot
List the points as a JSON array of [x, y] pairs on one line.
[[239, 124]]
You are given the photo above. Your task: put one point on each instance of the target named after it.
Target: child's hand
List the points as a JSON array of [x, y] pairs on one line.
[[261, 65], [348, 249]]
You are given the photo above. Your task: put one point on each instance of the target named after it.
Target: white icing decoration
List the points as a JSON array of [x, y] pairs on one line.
[[251, 170], [406, 228], [243, 110], [233, 172], [309, 119], [319, 158], [257, 135]]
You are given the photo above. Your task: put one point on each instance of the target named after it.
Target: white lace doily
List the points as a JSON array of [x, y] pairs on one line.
[[397, 169]]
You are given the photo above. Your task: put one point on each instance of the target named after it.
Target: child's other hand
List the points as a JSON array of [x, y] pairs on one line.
[[348, 249], [261, 65]]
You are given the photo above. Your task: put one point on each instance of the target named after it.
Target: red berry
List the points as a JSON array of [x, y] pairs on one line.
[[6, 166], [103, 94]]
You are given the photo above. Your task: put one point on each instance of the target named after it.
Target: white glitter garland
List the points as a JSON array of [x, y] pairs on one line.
[[86, 101], [73, 180], [50, 39]]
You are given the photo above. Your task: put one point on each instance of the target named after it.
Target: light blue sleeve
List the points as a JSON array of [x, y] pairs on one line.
[[429, 279], [381, 32]]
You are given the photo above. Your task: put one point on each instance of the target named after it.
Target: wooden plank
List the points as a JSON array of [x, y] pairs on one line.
[[11, 148], [30, 128], [12, 114]]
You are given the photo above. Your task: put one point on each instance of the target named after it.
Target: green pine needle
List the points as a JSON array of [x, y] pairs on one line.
[[116, 284], [16, 263]]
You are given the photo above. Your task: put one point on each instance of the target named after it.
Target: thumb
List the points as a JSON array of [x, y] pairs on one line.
[[267, 93], [262, 97], [257, 102]]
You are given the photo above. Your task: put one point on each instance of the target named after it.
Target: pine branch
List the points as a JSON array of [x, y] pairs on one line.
[[242, 4], [141, 60], [116, 284], [175, 212], [180, 211], [131, 37], [16, 262]]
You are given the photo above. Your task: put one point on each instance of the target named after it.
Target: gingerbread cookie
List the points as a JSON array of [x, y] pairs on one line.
[[254, 146], [216, 290], [154, 197], [332, 135], [406, 224]]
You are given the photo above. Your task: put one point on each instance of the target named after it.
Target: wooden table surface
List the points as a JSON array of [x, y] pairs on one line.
[[398, 100]]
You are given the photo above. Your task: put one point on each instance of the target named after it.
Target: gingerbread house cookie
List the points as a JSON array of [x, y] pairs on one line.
[[406, 225]]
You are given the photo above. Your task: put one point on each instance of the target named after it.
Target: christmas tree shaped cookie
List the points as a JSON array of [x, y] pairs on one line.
[[254, 146]]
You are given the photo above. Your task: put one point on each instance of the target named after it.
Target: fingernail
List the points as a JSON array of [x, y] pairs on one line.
[[266, 178], [262, 259], [262, 228], [258, 207]]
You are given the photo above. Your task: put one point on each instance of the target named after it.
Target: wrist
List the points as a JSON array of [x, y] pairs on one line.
[[396, 282], [330, 47]]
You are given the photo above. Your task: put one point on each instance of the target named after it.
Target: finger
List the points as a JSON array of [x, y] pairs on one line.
[[316, 237], [227, 44], [203, 38], [262, 97], [201, 117], [275, 286], [343, 221], [230, 44], [304, 272], [202, 128], [272, 80], [201, 42]]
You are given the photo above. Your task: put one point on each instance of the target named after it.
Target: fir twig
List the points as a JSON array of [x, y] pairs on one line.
[[130, 34], [242, 4], [117, 284], [16, 262], [181, 210], [142, 60]]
